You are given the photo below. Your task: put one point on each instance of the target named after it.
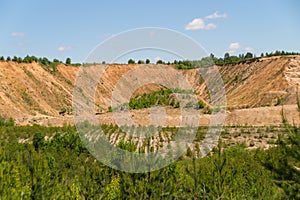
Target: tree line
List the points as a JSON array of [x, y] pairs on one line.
[[212, 60], [30, 59]]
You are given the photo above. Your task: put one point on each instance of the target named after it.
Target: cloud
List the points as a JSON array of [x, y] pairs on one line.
[[64, 48], [233, 47], [216, 15], [249, 49], [199, 24], [210, 26], [17, 34]]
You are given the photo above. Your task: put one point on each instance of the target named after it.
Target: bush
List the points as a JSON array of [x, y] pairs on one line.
[[9, 122], [201, 104]]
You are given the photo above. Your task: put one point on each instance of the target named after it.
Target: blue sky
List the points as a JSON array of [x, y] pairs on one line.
[[61, 29]]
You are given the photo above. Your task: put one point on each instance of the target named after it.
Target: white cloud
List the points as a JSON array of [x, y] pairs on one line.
[[233, 47], [216, 15], [210, 26], [64, 48], [249, 49], [199, 24], [17, 34]]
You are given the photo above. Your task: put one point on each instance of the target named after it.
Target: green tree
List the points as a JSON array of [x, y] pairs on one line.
[[141, 62], [131, 61], [8, 58], [248, 55], [15, 59], [147, 61], [19, 60], [2, 58], [68, 61], [226, 56], [38, 141], [44, 61], [27, 59], [159, 62], [55, 60], [34, 59]]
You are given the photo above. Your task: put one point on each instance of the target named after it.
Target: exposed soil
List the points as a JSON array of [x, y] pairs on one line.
[[255, 91]]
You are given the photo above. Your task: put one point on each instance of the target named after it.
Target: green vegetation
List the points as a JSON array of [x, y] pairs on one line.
[[141, 62], [51, 163], [42, 61], [68, 61], [131, 61], [185, 64], [163, 97], [7, 122], [160, 97], [227, 60]]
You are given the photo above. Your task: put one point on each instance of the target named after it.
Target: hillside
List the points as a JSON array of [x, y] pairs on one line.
[[31, 93]]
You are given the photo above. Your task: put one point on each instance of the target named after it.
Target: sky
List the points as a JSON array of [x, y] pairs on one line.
[[61, 29]]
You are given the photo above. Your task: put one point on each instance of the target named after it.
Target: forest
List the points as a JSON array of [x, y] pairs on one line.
[[39, 162]]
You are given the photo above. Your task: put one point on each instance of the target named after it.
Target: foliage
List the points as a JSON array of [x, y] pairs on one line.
[[141, 62], [131, 61], [226, 60], [52, 163], [68, 61], [284, 160], [7, 122], [159, 62], [161, 97]]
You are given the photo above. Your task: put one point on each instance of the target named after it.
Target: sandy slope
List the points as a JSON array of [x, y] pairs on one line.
[[32, 94]]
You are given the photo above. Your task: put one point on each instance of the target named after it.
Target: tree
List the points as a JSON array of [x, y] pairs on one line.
[[55, 60], [2, 58], [242, 57], [248, 55], [19, 60], [141, 62], [44, 61], [226, 58], [131, 61], [38, 141], [8, 58], [15, 59], [159, 62], [34, 59], [147, 61], [68, 61], [27, 59]]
